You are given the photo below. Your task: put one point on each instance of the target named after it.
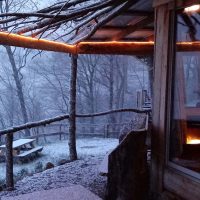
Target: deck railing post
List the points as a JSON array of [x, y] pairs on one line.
[[107, 130], [9, 162], [60, 130], [104, 131]]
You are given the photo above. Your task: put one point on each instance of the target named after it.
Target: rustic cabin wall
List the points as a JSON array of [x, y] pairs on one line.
[[162, 20], [168, 180]]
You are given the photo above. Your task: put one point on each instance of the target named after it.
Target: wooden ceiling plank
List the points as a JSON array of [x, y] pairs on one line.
[[137, 13], [140, 24], [131, 39], [119, 28]]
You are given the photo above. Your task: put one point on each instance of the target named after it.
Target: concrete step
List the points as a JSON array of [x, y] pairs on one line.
[[76, 192]]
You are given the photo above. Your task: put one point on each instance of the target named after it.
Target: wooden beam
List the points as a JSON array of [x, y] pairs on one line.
[[138, 48], [161, 61], [11, 39], [129, 39], [157, 3], [188, 46], [122, 48], [133, 27], [110, 47], [137, 13], [125, 27]]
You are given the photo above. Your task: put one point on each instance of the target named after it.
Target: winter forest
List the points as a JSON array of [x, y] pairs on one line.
[[35, 87]]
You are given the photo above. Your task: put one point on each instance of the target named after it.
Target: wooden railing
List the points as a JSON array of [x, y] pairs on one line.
[[61, 130], [10, 131]]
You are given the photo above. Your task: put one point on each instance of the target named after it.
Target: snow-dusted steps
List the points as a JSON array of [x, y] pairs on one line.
[[77, 192]]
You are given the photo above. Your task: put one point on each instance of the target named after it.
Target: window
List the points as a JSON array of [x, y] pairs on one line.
[[185, 123]]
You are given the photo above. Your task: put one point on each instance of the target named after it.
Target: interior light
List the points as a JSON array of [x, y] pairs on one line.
[[192, 9]]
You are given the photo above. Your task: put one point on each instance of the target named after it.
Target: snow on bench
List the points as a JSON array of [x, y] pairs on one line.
[[29, 152], [103, 168]]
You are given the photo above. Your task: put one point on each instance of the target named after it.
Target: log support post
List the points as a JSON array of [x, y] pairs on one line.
[[9, 162], [72, 109]]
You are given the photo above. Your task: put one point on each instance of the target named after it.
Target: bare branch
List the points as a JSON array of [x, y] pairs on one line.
[[86, 12]]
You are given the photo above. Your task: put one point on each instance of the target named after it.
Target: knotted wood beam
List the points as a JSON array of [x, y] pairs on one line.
[[16, 40], [110, 47]]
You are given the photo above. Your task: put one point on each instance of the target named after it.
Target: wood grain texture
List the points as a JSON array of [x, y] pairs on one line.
[[181, 185], [157, 3], [160, 98], [127, 169]]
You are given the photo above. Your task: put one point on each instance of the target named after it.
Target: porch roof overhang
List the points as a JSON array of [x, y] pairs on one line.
[[129, 33]]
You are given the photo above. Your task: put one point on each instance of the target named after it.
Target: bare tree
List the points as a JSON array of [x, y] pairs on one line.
[[55, 75], [88, 87], [5, 7], [18, 82]]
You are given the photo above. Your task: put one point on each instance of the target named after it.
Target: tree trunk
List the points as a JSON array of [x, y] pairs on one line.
[[111, 88], [19, 88], [72, 109], [92, 109]]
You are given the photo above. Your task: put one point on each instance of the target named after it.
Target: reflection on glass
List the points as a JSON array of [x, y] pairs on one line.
[[185, 124]]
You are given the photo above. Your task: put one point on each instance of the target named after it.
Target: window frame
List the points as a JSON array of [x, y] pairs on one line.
[[194, 176]]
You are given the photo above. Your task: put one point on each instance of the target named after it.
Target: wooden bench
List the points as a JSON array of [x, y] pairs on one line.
[[29, 152]]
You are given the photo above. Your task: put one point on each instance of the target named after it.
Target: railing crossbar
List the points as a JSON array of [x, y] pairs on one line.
[[63, 117]]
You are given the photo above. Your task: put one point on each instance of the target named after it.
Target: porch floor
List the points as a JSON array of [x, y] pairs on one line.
[[82, 172], [76, 192]]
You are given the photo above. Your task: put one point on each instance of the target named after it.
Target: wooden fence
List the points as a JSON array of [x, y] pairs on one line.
[[9, 136], [61, 131], [82, 130]]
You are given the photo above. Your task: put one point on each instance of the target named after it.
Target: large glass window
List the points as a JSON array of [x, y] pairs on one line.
[[185, 124]]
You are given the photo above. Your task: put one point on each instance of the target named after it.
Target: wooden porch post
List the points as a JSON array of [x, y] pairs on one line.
[[9, 162], [72, 109], [159, 121]]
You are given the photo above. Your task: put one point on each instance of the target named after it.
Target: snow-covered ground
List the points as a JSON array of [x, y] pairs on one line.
[[54, 152], [82, 172]]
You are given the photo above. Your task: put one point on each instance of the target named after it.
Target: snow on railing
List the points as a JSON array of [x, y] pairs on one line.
[[62, 117]]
